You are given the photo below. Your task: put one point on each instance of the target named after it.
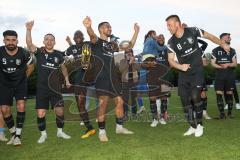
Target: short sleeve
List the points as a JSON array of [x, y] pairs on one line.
[[197, 32], [61, 59], [214, 53], [234, 55], [170, 47], [28, 58]]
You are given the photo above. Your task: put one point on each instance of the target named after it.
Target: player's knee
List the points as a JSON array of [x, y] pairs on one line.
[[59, 111], [195, 95], [6, 110], [21, 106], [229, 92], [219, 92], [203, 94], [41, 113]]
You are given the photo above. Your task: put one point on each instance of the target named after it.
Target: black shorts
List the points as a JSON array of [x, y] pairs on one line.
[[45, 95], [7, 93], [186, 82], [107, 87], [224, 84]]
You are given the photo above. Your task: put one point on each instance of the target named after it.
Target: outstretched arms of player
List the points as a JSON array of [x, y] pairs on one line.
[[174, 64], [87, 22], [217, 41], [30, 45]]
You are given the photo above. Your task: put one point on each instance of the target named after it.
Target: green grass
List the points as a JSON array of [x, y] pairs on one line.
[[220, 140]]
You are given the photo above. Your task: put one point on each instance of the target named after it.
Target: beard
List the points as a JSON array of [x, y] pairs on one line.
[[11, 47], [228, 43]]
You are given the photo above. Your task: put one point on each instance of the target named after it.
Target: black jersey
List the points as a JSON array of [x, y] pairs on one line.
[[222, 57], [47, 63], [104, 61], [76, 50], [162, 56], [187, 49], [81, 75], [13, 67]]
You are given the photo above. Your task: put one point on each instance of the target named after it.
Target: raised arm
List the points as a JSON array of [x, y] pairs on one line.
[[135, 35], [68, 39], [87, 22], [217, 41], [30, 45]]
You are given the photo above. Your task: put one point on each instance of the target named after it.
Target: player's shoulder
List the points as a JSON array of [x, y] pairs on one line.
[[2, 48], [58, 53], [232, 50], [170, 41], [217, 48]]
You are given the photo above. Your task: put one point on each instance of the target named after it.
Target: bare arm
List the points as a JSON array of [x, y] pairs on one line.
[[69, 41], [174, 64], [205, 61], [30, 69], [30, 45], [217, 41], [87, 22], [135, 35], [215, 65], [65, 74]]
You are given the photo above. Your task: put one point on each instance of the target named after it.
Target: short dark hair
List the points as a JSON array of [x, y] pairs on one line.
[[10, 33], [77, 33], [49, 34], [101, 24], [175, 17], [224, 34]]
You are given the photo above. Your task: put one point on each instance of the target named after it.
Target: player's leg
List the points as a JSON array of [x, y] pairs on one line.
[[19, 121], [229, 85], [164, 104], [41, 122], [57, 104], [197, 102], [119, 116], [219, 88], [2, 129], [125, 96], [6, 101], [20, 94], [204, 104], [42, 105], [81, 101], [153, 107], [188, 113], [103, 101], [236, 96]]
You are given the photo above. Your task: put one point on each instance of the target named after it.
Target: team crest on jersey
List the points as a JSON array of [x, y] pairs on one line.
[[74, 51], [18, 62], [56, 60], [190, 40]]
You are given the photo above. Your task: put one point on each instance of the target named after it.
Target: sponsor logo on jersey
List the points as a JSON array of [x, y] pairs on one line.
[[74, 51], [56, 60], [190, 40], [18, 62]]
